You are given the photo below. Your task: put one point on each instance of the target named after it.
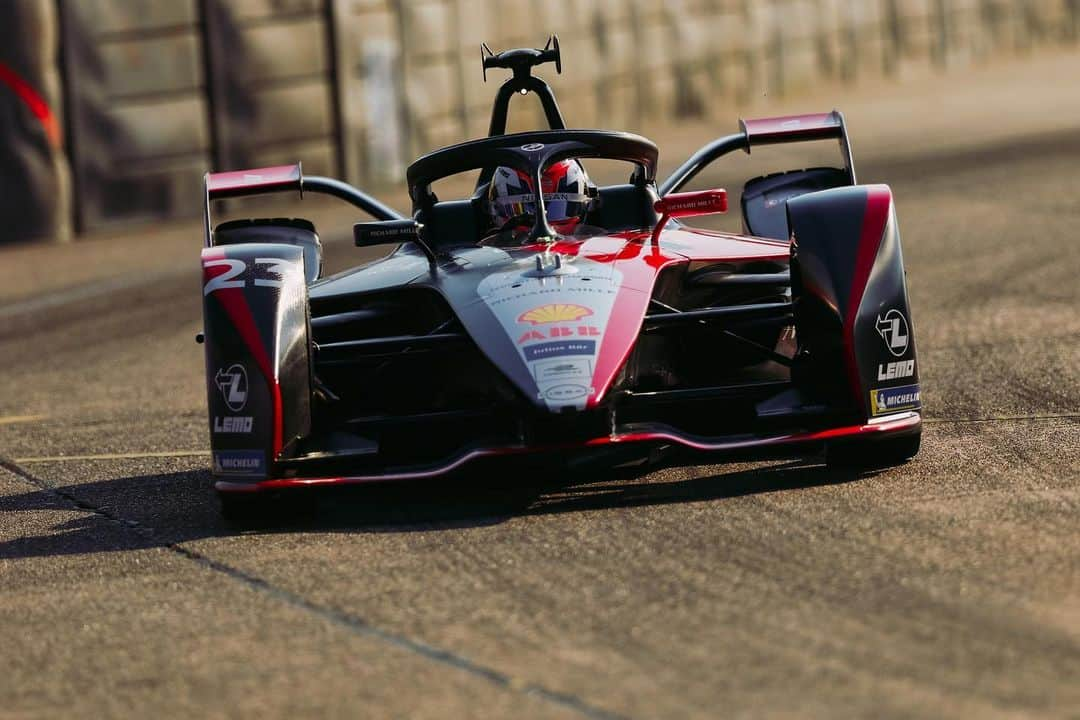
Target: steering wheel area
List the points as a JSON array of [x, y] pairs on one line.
[[531, 153]]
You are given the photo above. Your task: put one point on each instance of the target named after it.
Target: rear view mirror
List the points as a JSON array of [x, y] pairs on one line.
[[688, 204], [392, 232], [386, 232]]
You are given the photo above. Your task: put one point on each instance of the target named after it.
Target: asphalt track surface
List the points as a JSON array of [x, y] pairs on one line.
[[946, 587]]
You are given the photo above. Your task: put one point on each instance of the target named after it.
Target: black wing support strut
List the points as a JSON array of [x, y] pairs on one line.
[[766, 131], [284, 178]]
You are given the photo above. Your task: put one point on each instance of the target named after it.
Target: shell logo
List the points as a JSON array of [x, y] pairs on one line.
[[558, 312]]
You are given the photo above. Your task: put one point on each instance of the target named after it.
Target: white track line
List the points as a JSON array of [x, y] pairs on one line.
[[81, 293], [113, 456], [1002, 418], [15, 419]]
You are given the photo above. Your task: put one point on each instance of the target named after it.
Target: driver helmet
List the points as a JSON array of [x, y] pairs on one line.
[[566, 188]]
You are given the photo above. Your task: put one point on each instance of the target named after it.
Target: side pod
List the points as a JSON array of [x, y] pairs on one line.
[[852, 316], [258, 357]]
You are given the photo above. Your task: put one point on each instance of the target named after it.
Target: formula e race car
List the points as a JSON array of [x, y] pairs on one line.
[[549, 320]]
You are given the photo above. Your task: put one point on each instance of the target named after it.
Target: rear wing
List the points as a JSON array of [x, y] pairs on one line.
[[283, 178], [238, 183], [800, 128], [766, 131]]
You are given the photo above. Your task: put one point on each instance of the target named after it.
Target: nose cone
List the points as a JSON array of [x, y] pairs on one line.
[[554, 310]]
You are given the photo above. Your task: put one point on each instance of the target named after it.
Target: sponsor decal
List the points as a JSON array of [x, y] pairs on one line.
[[893, 329], [503, 295], [233, 424], [233, 384], [556, 371], [566, 393], [887, 400], [238, 462], [896, 370], [561, 348], [553, 313], [559, 332]]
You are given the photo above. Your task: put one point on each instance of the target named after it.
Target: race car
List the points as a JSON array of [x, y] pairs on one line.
[[549, 321]]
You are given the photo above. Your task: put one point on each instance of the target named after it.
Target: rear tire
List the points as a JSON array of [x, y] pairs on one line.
[[864, 454]]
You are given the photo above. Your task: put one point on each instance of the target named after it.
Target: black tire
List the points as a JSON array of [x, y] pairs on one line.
[[865, 454], [258, 510], [248, 510]]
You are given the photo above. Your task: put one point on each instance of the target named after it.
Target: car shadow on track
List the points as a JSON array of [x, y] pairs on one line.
[[147, 511]]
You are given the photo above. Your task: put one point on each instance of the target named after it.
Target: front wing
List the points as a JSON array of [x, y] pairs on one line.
[[700, 449]]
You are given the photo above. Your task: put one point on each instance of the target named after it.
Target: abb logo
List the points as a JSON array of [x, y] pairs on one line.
[[559, 332]]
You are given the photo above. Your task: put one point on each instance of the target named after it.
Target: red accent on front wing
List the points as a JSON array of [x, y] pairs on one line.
[[900, 422], [878, 204], [236, 306]]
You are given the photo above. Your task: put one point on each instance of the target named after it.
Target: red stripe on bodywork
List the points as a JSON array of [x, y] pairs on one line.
[[239, 312], [792, 128], [640, 265], [875, 218], [34, 101]]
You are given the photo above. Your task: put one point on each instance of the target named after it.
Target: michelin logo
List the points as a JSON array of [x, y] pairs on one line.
[[889, 400], [238, 462]]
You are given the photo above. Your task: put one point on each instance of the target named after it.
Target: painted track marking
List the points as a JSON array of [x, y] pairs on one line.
[[15, 419], [112, 456], [82, 293]]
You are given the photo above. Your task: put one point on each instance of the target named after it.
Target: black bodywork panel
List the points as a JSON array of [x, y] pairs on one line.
[[258, 359], [764, 199]]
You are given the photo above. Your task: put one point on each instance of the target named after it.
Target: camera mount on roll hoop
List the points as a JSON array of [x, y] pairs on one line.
[[521, 61]]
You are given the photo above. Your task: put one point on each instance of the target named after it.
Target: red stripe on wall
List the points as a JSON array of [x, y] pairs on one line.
[[33, 101]]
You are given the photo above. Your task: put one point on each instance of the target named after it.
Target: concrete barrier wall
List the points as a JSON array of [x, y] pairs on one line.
[[138, 123], [158, 91], [632, 61], [34, 182]]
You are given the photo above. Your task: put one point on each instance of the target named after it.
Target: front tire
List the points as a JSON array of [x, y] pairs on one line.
[[248, 510], [866, 454]]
